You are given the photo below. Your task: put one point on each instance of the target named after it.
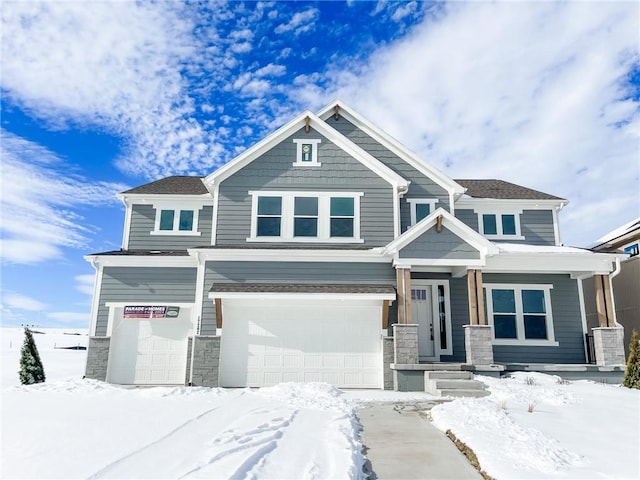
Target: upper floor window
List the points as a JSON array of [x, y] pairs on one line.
[[505, 226], [332, 217], [306, 152], [171, 221], [421, 208], [632, 249], [520, 314]]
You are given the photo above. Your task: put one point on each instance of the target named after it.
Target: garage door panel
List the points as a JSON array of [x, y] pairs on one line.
[[271, 342]]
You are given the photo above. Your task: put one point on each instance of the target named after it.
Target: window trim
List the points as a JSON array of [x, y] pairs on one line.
[[314, 152], [324, 217], [159, 207], [413, 202], [550, 341], [636, 244], [499, 213]]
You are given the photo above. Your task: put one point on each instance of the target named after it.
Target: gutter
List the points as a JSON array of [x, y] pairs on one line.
[[614, 274]]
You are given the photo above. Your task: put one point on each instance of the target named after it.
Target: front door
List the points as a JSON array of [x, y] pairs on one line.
[[430, 310]]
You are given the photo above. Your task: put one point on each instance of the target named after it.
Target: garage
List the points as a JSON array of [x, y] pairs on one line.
[[149, 345], [269, 341]]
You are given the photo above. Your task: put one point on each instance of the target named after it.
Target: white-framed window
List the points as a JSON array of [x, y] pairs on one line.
[[421, 208], [332, 217], [632, 249], [520, 314], [500, 225], [175, 221], [306, 152]]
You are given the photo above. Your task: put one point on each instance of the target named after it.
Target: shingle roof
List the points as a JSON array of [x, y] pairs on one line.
[[175, 185], [502, 190], [300, 288]]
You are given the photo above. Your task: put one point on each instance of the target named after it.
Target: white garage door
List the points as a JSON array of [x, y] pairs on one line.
[[265, 342], [149, 351]]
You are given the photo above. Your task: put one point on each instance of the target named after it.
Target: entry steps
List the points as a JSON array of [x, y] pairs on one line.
[[448, 383]]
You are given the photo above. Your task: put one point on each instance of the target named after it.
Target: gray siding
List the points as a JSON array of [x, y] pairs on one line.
[[143, 284], [287, 272], [567, 322], [421, 186], [445, 244], [143, 220], [273, 171], [468, 217]]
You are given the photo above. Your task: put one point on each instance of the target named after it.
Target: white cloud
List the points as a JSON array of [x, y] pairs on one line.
[[38, 197], [403, 10], [300, 22], [116, 65], [84, 283], [271, 70], [532, 93], [22, 302]]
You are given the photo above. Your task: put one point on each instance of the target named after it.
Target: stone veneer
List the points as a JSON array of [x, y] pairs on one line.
[[97, 358], [608, 344], [206, 360], [387, 360], [478, 344]]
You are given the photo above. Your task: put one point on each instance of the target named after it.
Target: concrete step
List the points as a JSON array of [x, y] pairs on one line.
[[443, 366], [448, 375], [461, 384], [462, 393]]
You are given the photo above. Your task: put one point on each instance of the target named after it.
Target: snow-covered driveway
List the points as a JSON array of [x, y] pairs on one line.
[[101, 431]]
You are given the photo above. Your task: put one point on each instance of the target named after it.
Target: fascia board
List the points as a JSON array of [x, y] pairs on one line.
[[141, 198], [466, 233], [303, 296], [284, 255], [498, 204], [142, 261], [550, 262], [393, 145], [438, 262], [296, 124]]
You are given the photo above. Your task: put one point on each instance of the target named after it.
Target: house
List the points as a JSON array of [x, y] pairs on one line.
[[330, 252], [625, 280]]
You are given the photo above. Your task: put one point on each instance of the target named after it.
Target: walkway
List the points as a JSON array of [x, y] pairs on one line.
[[402, 444]]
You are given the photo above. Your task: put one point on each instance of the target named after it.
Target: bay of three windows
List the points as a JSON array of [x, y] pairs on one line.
[[291, 216]]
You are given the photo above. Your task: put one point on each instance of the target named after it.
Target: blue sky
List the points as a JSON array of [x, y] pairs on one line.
[[101, 96]]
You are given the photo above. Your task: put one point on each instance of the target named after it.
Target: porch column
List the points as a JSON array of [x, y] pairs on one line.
[[403, 282], [604, 301], [478, 336]]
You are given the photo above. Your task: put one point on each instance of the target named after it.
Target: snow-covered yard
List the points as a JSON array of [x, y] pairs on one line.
[[70, 428]]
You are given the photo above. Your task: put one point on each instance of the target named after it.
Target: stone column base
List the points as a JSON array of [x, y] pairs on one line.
[[97, 358], [387, 359], [405, 343], [478, 344], [206, 360], [608, 344]]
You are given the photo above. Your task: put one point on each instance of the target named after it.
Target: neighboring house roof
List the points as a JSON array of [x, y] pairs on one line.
[[300, 288], [628, 232], [174, 185], [499, 189]]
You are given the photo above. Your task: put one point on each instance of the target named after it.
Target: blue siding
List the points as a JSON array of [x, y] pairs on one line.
[[443, 245], [536, 226]]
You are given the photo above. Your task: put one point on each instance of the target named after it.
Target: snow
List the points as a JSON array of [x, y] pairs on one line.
[[74, 428], [620, 231], [576, 430], [524, 248]]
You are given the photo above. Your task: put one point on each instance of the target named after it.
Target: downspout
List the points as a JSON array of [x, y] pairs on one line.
[[614, 274]]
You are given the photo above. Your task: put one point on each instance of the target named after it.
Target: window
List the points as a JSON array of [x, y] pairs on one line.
[[332, 217], [632, 249], [421, 208], [172, 221], [342, 216], [500, 225], [520, 314], [306, 152], [305, 221], [269, 216]]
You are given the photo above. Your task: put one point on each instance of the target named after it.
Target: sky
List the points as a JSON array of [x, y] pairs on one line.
[[98, 97]]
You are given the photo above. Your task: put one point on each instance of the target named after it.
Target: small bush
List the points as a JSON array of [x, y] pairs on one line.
[[531, 407], [563, 381], [31, 369], [632, 373], [530, 381]]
